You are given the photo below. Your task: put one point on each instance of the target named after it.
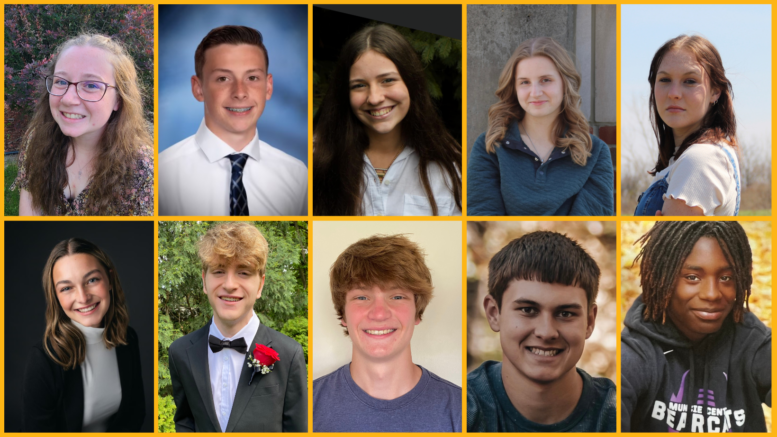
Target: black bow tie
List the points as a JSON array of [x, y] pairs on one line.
[[217, 344]]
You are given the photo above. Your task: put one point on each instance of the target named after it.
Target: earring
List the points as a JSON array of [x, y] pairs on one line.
[[715, 102]]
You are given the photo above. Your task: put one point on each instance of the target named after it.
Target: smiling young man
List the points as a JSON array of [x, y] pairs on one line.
[[214, 388], [693, 357], [542, 292], [225, 169], [380, 288]]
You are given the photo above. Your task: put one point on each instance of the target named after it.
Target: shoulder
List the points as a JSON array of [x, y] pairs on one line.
[[599, 148], [187, 340], [441, 384], [132, 336], [479, 380], [753, 327], [40, 363], [328, 382], [704, 154], [177, 151], [277, 157], [144, 160]]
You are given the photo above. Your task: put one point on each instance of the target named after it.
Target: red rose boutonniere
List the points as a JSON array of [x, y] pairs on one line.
[[262, 360]]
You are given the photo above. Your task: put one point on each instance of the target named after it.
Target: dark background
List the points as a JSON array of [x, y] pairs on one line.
[[333, 25], [130, 245]]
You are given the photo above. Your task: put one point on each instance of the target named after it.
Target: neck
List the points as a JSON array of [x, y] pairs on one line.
[[385, 379], [237, 141], [544, 403], [85, 147], [539, 129], [390, 142], [229, 328]]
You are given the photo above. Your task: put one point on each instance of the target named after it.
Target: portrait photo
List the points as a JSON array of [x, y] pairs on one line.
[[698, 145], [387, 110], [541, 110], [79, 346], [387, 326], [233, 109], [79, 110], [696, 339]]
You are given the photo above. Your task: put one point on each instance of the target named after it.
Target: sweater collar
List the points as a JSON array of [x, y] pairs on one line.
[[512, 140]]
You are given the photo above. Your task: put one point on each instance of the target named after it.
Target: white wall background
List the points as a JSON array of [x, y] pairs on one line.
[[437, 340]]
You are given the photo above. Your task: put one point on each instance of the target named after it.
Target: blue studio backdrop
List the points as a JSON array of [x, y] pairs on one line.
[[284, 123]]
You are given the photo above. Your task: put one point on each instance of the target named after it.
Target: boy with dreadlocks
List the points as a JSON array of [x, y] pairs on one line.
[[694, 359]]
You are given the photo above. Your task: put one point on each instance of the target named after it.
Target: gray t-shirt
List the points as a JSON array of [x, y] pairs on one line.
[[339, 405], [489, 408]]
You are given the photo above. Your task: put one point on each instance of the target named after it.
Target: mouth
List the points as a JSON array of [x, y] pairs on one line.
[[709, 315], [674, 109], [379, 332], [538, 102], [71, 116], [239, 111], [87, 310], [230, 299], [544, 352], [380, 112]]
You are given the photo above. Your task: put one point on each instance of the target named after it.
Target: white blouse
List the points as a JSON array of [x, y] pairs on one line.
[[704, 176], [402, 193], [102, 386]]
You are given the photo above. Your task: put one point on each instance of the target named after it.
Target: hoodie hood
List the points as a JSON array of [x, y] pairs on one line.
[[663, 333]]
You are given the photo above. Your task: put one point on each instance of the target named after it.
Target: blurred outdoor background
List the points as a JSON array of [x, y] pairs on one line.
[[485, 239], [760, 236], [645, 28]]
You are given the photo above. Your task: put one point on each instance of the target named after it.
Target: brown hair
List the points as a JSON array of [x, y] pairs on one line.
[[719, 123], [382, 260], [230, 242], [64, 343], [545, 257], [232, 35], [126, 133], [570, 128]]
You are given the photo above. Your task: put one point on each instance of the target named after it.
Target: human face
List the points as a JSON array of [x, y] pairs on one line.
[[79, 119], [232, 290], [379, 97], [380, 322], [235, 86], [705, 291], [683, 93], [539, 87], [542, 329], [83, 288]]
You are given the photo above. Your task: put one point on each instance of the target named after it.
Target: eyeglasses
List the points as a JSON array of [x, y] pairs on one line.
[[87, 90]]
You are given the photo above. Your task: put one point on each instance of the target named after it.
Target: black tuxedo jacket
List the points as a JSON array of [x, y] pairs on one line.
[[54, 397], [275, 402]]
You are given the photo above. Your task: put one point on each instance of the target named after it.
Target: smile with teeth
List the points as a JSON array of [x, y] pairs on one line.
[[381, 332], [380, 112], [544, 353], [87, 309], [239, 109], [73, 116], [231, 299]]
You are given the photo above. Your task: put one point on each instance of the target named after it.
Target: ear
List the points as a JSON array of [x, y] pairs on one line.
[[715, 95], [591, 321], [269, 86], [492, 312], [261, 286], [203, 283], [197, 89], [117, 105]]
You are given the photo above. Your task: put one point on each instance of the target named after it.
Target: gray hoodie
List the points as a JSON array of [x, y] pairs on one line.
[[671, 384]]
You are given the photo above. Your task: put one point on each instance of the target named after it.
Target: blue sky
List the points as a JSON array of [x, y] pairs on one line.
[[741, 33]]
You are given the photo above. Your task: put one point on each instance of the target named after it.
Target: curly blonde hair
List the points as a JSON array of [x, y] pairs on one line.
[[126, 133], [571, 127], [231, 242]]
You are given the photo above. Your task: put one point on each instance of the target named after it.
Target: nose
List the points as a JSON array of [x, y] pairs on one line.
[[710, 290], [379, 310], [536, 90], [239, 90], [81, 295], [674, 91], [71, 96], [230, 281], [376, 96], [545, 327]]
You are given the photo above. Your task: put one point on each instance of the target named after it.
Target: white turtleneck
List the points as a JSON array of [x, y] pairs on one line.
[[102, 387]]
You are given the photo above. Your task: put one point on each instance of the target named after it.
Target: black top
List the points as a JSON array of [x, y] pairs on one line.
[[54, 397]]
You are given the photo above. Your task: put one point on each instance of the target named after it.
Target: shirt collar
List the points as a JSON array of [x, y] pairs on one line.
[[248, 332], [513, 140], [215, 148], [404, 154]]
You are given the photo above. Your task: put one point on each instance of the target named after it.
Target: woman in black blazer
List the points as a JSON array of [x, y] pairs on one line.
[[85, 374]]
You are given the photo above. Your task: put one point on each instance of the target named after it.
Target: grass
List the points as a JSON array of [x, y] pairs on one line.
[[11, 197], [756, 212]]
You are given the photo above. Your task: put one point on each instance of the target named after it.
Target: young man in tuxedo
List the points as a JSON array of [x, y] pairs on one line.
[[214, 387]]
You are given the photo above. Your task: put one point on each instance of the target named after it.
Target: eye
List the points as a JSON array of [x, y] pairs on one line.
[[93, 280], [360, 298], [691, 81], [726, 278], [547, 79], [222, 79], [566, 314], [60, 82], [529, 311], [664, 80], [692, 277], [253, 78], [389, 80], [398, 297], [357, 86], [64, 289], [523, 82]]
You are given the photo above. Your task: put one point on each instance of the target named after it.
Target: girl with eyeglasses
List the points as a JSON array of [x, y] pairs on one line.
[[88, 147]]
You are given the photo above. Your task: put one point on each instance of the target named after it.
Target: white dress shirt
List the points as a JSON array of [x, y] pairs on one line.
[[225, 367], [402, 192], [195, 176], [100, 375]]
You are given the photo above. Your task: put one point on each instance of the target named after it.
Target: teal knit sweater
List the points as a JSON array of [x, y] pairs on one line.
[[514, 182]]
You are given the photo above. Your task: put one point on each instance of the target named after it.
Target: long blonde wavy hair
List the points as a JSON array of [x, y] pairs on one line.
[[570, 128], [126, 132], [64, 343]]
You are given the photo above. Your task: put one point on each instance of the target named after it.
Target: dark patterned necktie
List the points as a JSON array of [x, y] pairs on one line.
[[238, 200]]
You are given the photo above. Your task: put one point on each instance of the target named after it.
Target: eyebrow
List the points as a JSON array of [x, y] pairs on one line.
[[700, 269], [68, 281], [684, 74], [380, 76], [85, 76], [567, 306], [544, 75], [226, 70]]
